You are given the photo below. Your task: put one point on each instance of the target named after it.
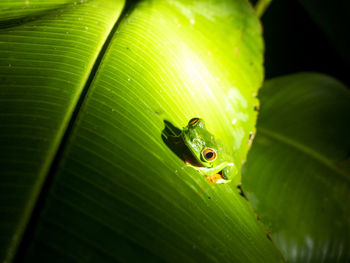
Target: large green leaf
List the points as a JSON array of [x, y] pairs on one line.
[[118, 193], [297, 173], [45, 63]]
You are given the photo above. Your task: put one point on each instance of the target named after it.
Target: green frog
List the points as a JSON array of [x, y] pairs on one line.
[[211, 158]]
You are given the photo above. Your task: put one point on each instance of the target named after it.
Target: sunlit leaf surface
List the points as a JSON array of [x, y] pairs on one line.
[[119, 193], [297, 174]]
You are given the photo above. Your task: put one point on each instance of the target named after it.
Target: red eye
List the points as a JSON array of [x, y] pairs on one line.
[[209, 154], [193, 121]]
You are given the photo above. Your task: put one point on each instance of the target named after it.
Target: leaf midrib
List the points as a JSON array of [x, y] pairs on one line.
[[306, 150]]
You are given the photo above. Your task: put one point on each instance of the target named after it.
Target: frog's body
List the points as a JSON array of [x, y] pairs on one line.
[[214, 162]]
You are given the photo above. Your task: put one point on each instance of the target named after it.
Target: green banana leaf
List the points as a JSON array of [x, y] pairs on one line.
[[47, 53], [85, 92], [297, 174]]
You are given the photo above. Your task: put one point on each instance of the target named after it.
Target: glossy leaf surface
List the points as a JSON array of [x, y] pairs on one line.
[[297, 173], [119, 193]]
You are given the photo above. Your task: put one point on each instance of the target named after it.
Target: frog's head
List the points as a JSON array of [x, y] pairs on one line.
[[200, 142]]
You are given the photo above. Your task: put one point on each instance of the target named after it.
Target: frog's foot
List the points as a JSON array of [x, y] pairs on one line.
[[214, 178], [217, 179]]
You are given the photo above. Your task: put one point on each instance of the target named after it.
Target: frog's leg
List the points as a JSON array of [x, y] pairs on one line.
[[209, 170], [213, 170], [214, 175]]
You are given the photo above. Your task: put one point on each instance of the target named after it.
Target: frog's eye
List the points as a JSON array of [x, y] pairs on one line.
[[193, 121], [209, 154]]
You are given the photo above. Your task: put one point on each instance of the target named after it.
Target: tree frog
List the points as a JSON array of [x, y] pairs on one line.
[[213, 160]]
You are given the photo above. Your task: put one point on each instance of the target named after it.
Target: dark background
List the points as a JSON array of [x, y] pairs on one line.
[[295, 42]]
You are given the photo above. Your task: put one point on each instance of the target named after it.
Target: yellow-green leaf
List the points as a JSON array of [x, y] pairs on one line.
[[114, 190]]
